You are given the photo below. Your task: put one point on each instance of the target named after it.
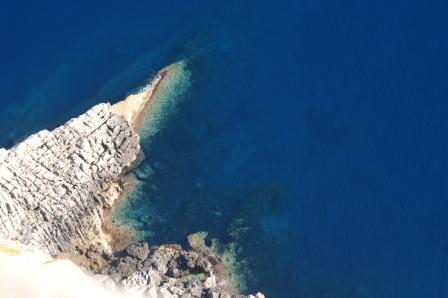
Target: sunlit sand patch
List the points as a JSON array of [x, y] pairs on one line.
[[149, 108], [131, 107], [10, 251]]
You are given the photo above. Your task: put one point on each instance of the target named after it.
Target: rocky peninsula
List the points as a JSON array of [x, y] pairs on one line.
[[56, 188]]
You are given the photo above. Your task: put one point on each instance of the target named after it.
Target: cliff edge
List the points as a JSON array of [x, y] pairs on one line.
[[55, 187]]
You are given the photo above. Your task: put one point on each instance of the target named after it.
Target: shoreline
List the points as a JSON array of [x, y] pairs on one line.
[[136, 109], [82, 175], [132, 106], [119, 235]]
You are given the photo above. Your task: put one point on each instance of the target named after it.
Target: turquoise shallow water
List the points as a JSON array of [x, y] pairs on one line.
[[313, 135]]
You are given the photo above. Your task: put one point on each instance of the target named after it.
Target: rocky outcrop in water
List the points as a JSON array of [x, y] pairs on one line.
[[54, 189], [164, 271]]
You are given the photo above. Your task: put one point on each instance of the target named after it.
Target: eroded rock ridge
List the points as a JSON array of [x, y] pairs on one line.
[[55, 185], [54, 189]]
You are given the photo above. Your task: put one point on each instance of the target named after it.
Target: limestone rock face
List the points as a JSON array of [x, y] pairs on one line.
[[54, 188], [55, 185]]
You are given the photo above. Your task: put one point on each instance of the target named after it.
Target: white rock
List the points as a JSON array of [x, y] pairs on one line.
[[55, 210]]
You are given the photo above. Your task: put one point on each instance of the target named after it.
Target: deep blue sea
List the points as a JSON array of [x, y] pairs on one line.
[[314, 134]]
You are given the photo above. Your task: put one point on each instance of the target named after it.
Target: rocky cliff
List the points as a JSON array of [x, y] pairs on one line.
[[56, 185]]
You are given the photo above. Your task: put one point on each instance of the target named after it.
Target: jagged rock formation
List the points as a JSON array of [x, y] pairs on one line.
[[164, 271], [55, 185]]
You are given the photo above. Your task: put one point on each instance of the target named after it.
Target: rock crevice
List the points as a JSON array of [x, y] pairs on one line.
[[53, 185]]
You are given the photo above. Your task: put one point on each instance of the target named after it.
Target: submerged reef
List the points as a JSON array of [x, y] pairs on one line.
[[58, 189]]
